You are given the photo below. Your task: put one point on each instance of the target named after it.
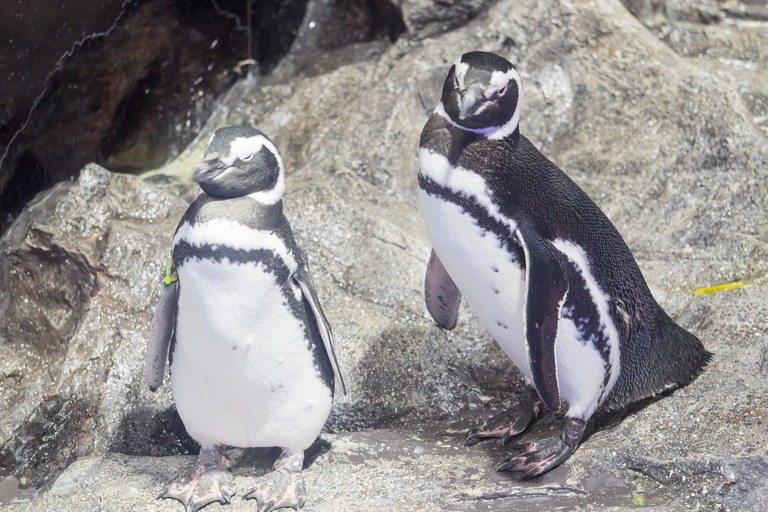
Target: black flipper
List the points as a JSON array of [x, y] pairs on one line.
[[547, 283], [441, 294], [160, 334], [304, 280]]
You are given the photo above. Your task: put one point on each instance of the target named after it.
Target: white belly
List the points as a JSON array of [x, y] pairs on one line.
[[242, 373], [480, 266]]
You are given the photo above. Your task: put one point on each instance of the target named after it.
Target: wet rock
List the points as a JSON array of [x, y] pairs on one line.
[[338, 32], [79, 269], [671, 147], [125, 84], [429, 18]]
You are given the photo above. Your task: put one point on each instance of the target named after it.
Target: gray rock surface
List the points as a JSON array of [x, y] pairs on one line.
[[671, 143]]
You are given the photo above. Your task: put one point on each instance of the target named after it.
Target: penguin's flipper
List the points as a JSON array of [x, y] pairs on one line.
[[547, 284], [304, 280], [160, 334], [441, 294]]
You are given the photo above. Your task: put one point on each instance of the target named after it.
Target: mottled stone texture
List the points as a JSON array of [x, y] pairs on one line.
[[653, 108]]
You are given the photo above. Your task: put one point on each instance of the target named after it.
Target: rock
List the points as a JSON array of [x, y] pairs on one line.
[[334, 33], [672, 147], [424, 18], [124, 84], [118, 84], [80, 270]]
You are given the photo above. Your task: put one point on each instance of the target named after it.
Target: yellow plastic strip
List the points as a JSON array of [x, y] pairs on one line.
[[719, 287]]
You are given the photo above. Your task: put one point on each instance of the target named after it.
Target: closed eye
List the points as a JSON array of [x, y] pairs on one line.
[[247, 158]]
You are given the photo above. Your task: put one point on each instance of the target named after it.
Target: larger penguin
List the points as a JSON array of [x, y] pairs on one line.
[[251, 352], [541, 266]]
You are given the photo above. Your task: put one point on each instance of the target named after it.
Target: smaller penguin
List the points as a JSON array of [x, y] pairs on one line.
[[544, 270], [251, 352]]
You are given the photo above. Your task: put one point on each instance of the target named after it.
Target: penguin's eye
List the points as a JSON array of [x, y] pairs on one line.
[[501, 91], [247, 158]]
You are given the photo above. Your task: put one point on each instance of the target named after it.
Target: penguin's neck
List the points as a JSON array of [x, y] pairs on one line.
[[505, 130], [243, 210]]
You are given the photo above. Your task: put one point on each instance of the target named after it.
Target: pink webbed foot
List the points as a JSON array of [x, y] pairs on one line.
[[208, 482], [283, 487]]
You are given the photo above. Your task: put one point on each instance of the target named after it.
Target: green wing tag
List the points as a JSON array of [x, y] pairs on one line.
[[168, 277]]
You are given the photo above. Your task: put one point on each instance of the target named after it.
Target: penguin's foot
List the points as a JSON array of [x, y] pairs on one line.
[[208, 482], [538, 457], [509, 423], [283, 488]]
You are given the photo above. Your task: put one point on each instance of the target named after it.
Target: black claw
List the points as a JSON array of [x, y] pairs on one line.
[[505, 439], [266, 507], [471, 439], [537, 457]]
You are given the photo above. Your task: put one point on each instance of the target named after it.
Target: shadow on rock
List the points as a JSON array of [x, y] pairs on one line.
[[152, 433]]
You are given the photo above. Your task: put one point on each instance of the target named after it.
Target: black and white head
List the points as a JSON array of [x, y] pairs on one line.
[[481, 94], [240, 161]]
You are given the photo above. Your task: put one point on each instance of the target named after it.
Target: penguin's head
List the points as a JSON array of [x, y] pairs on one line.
[[239, 161], [481, 94]]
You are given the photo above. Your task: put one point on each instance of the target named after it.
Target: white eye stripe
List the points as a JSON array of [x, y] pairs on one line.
[[460, 71], [243, 148]]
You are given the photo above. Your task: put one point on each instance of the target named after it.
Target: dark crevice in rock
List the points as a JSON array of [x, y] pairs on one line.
[[130, 93], [133, 95], [27, 178], [338, 32]]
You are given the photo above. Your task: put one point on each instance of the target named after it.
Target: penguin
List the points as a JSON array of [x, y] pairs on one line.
[[251, 354], [541, 266]]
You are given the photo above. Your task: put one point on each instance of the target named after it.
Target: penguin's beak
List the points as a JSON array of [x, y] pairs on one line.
[[208, 169], [470, 101]]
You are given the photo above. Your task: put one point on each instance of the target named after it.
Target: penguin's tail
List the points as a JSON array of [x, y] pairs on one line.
[[662, 359], [678, 356], [684, 354]]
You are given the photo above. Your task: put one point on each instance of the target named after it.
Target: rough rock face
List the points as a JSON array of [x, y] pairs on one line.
[[79, 270], [669, 139]]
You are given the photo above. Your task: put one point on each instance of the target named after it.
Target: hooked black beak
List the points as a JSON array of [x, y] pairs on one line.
[[208, 169]]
